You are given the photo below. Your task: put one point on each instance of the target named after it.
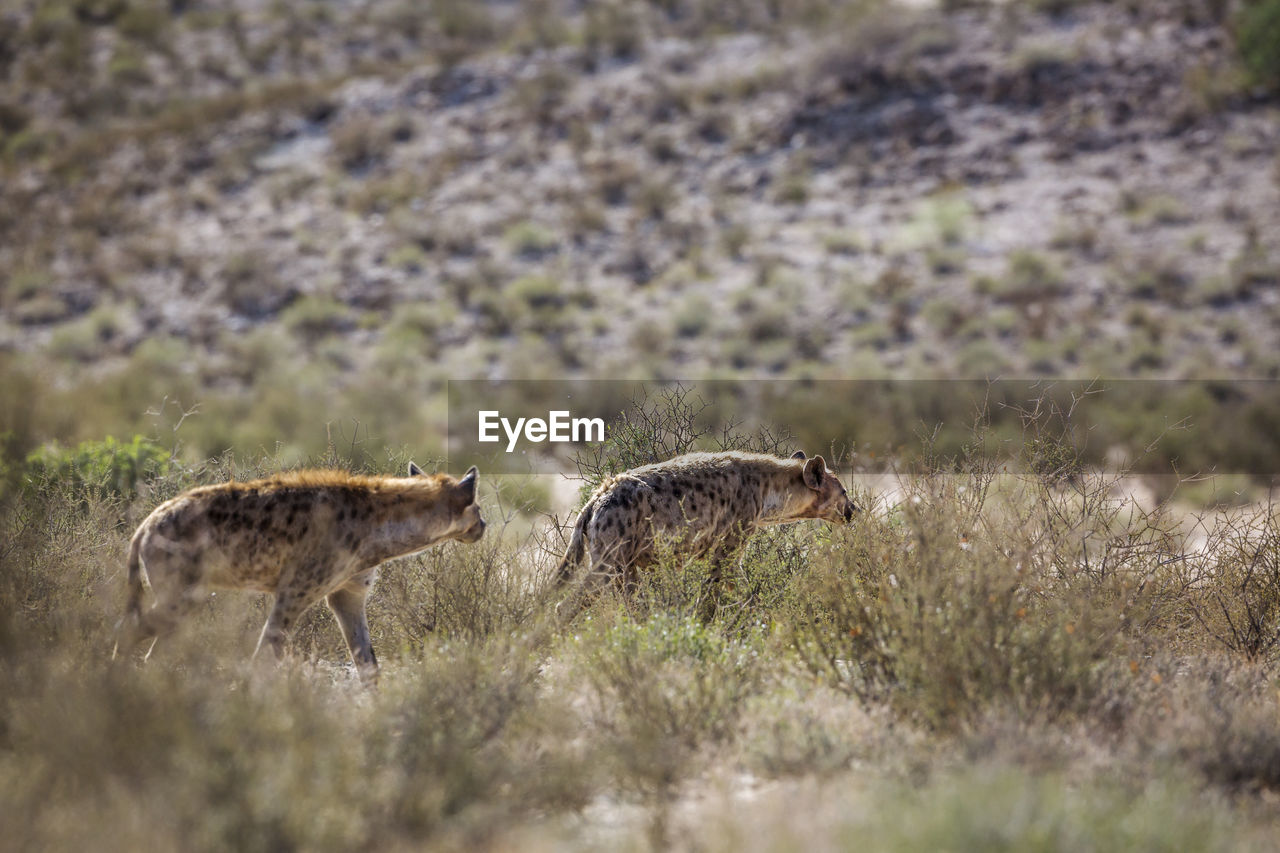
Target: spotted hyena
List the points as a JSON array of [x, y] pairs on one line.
[[698, 504], [302, 536]]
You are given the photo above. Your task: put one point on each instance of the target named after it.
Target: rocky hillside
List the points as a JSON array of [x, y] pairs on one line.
[[298, 213]]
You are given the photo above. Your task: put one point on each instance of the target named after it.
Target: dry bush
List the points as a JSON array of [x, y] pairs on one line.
[[1223, 723], [462, 592], [1236, 596], [465, 743], [361, 141], [655, 428], [453, 748], [1212, 714], [977, 590], [662, 692], [254, 287]]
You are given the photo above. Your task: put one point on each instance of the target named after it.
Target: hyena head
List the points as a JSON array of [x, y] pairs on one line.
[[466, 525], [830, 500]]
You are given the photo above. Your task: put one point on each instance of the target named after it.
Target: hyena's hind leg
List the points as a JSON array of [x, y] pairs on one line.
[[347, 603], [176, 582], [606, 567], [173, 604], [127, 628]]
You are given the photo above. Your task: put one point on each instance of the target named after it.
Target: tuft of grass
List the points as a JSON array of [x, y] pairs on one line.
[[795, 187], [314, 318], [361, 142], [252, 285], [1158, 208], [530, 241], [1029, 277], [613, 31]]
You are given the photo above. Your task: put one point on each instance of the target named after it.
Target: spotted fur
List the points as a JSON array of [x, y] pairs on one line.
[[696, 505]]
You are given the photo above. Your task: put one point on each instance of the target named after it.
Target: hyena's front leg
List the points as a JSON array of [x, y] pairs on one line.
[[347, 604]]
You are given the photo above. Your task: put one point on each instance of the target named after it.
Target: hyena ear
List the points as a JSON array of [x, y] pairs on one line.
[[414, 470], [799, 454], [814, 472], [468, 481]]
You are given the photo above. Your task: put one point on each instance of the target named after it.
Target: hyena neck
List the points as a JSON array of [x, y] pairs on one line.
[[781, 500], [398, 534]]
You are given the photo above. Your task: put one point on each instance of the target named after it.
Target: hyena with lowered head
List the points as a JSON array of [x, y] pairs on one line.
[[697, 504], [302, 536]]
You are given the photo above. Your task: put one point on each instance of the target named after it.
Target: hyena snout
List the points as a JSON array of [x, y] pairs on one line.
[[472, 526], [842, 513], [841, 510]]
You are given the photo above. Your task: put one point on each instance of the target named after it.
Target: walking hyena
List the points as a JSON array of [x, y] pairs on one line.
[[699, 504], [302, 536]]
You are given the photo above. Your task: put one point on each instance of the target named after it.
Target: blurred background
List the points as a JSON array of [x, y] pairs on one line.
[[273, 227]]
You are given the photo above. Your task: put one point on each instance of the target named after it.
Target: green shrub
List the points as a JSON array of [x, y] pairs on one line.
[[145, 21], [314, 318], [538, 293], [663, 689], [1030, 277], [107, 467], [693, 316], [944, 218], [128, 67], [530, 240], [1257, 32]]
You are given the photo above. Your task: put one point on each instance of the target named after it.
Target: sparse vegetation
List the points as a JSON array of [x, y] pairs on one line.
[[966, 615], [265, 235]]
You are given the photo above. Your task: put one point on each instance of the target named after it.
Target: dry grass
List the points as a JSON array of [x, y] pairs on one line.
[[984, 645]]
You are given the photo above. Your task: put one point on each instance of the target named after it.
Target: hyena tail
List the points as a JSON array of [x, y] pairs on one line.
[[132, 621], [577, 545]]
